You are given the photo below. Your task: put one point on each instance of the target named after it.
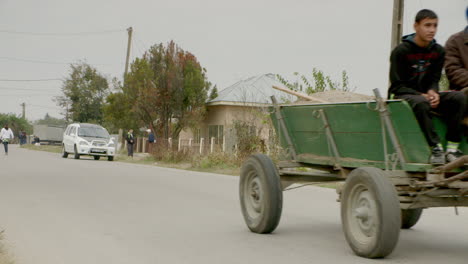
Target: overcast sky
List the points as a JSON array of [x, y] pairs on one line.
[[233, 40]]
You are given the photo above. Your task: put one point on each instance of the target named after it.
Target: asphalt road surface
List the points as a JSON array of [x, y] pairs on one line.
[[65, 211]]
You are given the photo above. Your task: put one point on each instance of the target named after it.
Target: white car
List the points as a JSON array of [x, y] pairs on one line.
[[87, 139]]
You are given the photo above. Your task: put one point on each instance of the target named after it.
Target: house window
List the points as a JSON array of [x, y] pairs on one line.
[[216, 131]]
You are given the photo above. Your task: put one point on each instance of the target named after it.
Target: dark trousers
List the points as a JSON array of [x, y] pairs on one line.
[[130, 149], [5, 145], [451, 107]]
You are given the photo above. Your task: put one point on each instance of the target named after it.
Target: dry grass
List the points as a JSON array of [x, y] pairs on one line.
[[213, 163], [5, 257]]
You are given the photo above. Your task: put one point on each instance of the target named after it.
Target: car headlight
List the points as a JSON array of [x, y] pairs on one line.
[[85, 143], [111, 145]]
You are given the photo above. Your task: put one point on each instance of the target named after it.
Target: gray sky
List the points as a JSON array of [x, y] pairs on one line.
[[233, 40]]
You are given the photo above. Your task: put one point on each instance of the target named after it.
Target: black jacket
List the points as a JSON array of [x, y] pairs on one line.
[[413, 69], [130, 139]]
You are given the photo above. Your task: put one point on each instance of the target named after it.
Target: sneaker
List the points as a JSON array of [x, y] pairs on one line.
[[451, 156], [437, 156]]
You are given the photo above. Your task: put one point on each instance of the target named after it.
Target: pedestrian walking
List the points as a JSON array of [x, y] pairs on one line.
[[151, 140], [22, 138], [130, 141], [6, 135]]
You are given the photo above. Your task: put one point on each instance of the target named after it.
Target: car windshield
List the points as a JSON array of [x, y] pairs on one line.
[[96, 132]]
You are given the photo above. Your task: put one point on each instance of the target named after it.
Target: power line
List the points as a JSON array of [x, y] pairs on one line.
[[33, 61], [28, 95], [61, 33], [48, 107], [26, 89], [51, 62], [31, 80]]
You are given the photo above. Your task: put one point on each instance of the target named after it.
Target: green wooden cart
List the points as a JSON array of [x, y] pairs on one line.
[[376, 148]]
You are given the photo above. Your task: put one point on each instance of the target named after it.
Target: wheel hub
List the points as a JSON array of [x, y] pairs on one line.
[[363, 213], [255, 192]]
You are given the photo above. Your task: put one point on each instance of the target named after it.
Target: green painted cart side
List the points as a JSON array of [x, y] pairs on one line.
[[359, 135]]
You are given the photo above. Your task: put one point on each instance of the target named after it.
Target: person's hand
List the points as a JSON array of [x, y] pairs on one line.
[[433, 98]]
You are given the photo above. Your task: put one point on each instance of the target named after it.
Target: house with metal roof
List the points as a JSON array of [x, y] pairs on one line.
[[244, 102], [254, 91]]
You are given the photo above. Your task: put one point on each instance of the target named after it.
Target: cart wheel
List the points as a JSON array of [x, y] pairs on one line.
[[260, 192], [370, 213], [409, 217]]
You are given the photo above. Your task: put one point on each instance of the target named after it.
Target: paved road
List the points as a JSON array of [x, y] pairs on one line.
[[57, 211]]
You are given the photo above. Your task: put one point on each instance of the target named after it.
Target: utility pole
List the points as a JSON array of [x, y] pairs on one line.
[[130, 31], [24, 110], [397, 22]]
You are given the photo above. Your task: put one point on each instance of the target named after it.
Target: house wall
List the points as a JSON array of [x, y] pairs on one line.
[[225, 115]]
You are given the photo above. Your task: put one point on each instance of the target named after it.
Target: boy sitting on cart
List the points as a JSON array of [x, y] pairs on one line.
[[415, 70]]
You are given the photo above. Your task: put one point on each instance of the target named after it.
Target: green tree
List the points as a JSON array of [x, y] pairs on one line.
[[16, 123], [213, 93], [119, 110], [84, 93], [166, 89], [318, 82]]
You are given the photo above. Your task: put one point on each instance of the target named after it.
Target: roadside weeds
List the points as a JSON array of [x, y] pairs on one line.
[[5, 256]]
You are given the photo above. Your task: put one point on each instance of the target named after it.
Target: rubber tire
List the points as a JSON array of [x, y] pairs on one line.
[[110, 158], [76, 155], [409, 217], [272, 195], [64, 153], [97, 157], [387, 207]]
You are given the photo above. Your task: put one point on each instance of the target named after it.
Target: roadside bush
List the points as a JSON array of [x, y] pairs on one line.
[[248, 139], [216, 160], [163, 152]]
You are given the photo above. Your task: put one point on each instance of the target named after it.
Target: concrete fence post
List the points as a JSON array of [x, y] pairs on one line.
[[169, 140], [138, 149], [178, 146], [144, 145], [224, 143], [212, 144], [201, 145]]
